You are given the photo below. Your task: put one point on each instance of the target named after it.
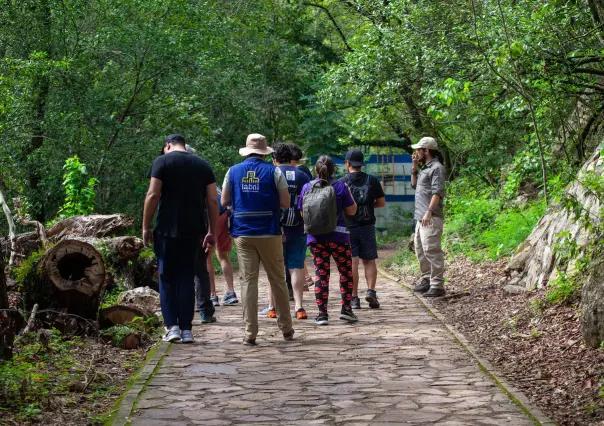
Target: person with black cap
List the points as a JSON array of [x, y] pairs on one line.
[[369, 195], [182, 184]]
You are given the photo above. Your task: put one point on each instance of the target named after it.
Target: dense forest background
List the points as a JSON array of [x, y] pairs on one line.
[[512, 89]]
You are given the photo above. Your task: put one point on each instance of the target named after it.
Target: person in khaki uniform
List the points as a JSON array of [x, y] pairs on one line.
[[429, 185], [257, 191]]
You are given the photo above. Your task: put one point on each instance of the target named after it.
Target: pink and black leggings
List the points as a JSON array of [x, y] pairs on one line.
[[342, 254]]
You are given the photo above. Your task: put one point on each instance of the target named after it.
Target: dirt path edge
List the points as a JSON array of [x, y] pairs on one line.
[[512, 392], [125, 405]]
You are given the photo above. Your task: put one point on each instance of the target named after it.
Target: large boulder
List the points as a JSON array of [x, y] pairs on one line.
[[592, 308], [144, 297], [535, 259]]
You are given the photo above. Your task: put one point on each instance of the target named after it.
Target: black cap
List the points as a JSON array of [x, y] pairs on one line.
[[355, 157], [170, 138]]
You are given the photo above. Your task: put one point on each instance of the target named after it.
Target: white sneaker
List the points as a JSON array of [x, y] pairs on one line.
[[187, 336], [263, 313], [172, 334]]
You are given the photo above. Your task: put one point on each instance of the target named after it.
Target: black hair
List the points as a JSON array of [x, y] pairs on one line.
[[296, 152], [324, 167], [254, 155], [282, 153], [434, 153]]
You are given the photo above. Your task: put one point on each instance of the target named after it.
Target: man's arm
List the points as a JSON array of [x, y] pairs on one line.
[[380, 202], [212, 202], [282, 188], [351, 209], [225, 198], [151, 202], [438, 190]]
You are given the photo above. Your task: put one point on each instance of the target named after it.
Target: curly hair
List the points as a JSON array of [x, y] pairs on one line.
[[282, 153]]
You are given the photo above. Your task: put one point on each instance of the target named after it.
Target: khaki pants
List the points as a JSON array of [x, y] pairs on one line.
[[430, 253], [269, 251]]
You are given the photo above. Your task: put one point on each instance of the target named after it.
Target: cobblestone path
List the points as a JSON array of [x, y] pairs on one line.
[[397, 365]]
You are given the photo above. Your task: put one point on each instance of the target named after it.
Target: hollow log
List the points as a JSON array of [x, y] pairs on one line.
[[69, 277]]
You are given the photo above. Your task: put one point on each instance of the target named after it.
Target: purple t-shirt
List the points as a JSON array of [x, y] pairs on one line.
[[343, 199]]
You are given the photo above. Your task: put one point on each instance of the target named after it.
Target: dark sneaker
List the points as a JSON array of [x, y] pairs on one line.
[[423, 286], [435, 292], [371, 298], [348, 316], [230, 298], [249, 342], [288, 336], [322, 319], [355, 303], [214, 300], [206, 319]]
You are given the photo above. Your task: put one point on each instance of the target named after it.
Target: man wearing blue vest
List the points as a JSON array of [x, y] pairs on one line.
[[257, 191]]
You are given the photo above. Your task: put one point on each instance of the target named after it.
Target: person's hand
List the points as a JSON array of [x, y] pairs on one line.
[[427, 220], [147, 237], [209, 241], [283, 238], [415, 161]]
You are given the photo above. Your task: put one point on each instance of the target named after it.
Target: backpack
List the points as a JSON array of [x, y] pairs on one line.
[[320, 208], [362, 196]]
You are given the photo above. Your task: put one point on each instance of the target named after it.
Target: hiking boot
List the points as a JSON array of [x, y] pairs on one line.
[[214, 300], [187, 336], [206, 319], [229, 298], [272, 313], [355, 303], [249, 342], [289, 336], [348, 316], [290, 292], [435, 292], [301, 314], [322, 319], [172, 334], [371, 298], [423, 286]]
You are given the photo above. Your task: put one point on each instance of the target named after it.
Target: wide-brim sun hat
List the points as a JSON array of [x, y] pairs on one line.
[[255, 144], [426, 143]]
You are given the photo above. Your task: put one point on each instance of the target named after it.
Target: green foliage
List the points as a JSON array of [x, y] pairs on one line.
[[481, 226], [140, 326], [79, 191], [111, 297], [36, 372], [29, 269]]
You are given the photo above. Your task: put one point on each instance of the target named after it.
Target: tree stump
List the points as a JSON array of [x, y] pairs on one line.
[[120, 315]]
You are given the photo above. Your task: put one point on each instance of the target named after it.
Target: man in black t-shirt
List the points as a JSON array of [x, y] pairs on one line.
[[182, 184], [369, 195]]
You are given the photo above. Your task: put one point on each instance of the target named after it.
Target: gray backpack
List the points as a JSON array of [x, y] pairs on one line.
[[319, 208]]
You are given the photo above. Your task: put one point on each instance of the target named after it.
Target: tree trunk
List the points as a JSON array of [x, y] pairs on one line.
[[7, 330], [120, 315]]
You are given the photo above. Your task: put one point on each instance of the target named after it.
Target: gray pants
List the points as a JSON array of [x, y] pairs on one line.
[[429, 252]]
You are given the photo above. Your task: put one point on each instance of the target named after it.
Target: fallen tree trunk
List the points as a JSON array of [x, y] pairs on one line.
[[92, 226], [70, 278], [120, 315]]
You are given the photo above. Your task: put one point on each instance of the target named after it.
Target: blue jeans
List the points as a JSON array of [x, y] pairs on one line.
[[202, 284], [176, 267]]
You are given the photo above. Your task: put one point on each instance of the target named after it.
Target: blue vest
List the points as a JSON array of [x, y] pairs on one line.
[[255, 199]]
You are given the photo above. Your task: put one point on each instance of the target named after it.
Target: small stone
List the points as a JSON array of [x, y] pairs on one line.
[[514, 289]]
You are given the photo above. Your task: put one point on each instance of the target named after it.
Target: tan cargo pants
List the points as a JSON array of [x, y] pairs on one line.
[[269, 251], [429, 252]]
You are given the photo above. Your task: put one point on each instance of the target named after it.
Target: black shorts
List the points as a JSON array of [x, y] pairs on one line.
[[363, 242]]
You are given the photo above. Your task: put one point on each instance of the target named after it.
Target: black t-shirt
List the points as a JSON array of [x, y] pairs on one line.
[[182, 206], [305, 169], [359, 179]]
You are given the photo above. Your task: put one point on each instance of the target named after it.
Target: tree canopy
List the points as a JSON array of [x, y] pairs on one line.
[[511, 88]]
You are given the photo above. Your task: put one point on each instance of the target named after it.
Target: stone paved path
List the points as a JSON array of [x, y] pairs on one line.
[[398, 365]]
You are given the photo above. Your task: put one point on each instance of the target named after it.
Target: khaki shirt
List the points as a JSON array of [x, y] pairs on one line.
[[430, 181]]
